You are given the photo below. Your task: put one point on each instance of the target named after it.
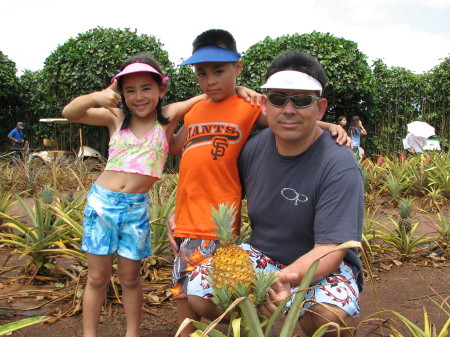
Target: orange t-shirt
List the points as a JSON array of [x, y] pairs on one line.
[[208, 172]]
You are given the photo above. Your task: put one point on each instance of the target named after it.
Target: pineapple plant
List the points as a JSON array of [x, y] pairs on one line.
[[405, 211], [232, 273], [231, 264]]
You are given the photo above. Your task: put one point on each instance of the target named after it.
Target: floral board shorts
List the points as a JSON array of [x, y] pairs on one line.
[[117, 222], [193, 253], [339, 289]]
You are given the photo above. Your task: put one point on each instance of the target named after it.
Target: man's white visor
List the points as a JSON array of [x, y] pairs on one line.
[[290, 79]]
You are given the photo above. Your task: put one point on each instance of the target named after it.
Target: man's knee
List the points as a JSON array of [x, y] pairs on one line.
[[321, 314]]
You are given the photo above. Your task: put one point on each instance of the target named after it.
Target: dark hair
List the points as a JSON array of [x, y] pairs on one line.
[[354, 123], [295, 60], [141, 58], [215, 37]]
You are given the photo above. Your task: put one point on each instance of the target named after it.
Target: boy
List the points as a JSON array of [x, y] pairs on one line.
[[213, 135]]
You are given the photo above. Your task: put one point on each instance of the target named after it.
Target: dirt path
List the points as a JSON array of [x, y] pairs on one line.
[[404, 287]]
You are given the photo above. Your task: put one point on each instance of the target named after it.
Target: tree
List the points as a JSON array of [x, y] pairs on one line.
[[9, 89], [350, 77], [86, 63], [396, 102], [436, 101]]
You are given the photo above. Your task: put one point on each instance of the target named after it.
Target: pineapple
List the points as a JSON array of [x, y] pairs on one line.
[[231, 265], [405, 211]]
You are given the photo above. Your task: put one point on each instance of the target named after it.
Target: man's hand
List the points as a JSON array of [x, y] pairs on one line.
[[171, 225], [280, 290]]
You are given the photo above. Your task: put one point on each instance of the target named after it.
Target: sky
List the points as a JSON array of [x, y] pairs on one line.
[[413, 34]]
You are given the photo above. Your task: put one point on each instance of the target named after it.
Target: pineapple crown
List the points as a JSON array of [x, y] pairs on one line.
[[223, 219], [47, 195], [405, 207]]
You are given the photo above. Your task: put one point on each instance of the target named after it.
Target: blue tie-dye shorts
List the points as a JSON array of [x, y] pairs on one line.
[[117, 222]]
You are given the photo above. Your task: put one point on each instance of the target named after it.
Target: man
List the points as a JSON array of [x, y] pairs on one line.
[[304, 197], [17, 139]]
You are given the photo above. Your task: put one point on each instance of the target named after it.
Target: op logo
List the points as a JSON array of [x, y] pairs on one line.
[[216, 135], [292, 195]]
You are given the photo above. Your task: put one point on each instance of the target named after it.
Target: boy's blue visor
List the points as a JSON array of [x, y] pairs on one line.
[[212, 54]]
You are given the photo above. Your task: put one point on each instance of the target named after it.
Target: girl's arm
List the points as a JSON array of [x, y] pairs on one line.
[[84, 109], [363, 131]]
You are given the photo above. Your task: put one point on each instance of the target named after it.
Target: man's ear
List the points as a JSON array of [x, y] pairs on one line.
[[264, 103], [322, 103]]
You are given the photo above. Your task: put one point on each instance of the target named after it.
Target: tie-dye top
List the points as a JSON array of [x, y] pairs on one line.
[[145, 156]]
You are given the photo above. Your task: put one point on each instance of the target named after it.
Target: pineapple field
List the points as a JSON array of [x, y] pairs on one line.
[[405, 249]]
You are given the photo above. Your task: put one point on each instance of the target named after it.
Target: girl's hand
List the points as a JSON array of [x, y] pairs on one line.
[[249, 95], [108, 98]]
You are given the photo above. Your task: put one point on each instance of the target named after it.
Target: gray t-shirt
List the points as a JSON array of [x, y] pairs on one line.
[[297, 201]]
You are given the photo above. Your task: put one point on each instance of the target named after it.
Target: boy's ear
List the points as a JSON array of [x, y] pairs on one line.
[[238, 68]]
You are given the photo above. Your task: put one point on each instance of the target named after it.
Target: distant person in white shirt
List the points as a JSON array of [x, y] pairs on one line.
[[414, 144]]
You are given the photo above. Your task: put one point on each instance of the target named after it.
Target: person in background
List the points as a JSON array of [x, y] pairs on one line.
[[342, 122], [17, 139], [355, 131], [414, 144]]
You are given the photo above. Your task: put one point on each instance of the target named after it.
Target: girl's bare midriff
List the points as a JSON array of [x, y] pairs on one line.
[[126, 182]]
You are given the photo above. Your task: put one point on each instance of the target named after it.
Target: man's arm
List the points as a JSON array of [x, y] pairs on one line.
[[12, 135], [327, 265], [292, 275]]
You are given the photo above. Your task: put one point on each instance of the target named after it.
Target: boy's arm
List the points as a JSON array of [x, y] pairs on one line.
[[177, 141], [336, 130], [175, 113], [249, 95]]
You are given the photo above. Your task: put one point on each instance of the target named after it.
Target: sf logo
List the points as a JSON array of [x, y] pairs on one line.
[[292, 195], [219, 144]]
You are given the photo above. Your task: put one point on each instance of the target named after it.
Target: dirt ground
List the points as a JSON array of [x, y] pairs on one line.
[[408, 288]]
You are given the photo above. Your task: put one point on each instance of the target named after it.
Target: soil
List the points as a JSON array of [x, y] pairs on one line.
[[408, 288]]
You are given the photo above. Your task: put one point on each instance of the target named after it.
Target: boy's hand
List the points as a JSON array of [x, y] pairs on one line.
[[171, 225], [249, 95], [342, 137]]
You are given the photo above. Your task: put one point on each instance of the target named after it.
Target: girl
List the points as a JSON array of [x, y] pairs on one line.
[[116, 214], [355, 130], [342, 122]]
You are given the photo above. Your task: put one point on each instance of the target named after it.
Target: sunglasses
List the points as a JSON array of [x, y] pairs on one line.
[[299, 101]]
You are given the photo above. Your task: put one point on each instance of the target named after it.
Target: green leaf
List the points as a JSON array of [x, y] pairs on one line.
[[10, 327]]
